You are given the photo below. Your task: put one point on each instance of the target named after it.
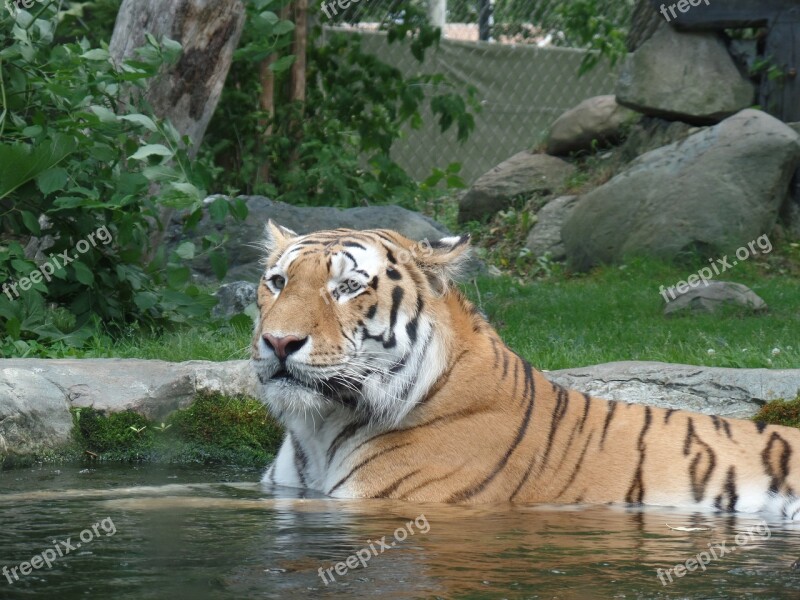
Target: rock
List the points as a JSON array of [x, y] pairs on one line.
[[738, 393], [546, 233], [710, 296], [713, 192], [152, 388], [524, 174], [244, 237], [688, 76], [651, 133], [36, 395], [599, 118], [34, 414], [233, 298]]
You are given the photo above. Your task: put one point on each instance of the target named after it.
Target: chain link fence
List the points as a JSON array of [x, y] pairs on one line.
[[513, 53]]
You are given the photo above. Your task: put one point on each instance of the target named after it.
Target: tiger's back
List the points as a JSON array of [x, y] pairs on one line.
[[400, 389]]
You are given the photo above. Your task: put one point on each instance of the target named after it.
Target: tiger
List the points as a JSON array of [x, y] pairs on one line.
[[391, 384]]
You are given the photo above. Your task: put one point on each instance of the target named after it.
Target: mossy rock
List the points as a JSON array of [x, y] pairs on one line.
[[780, 412], [215, 429]]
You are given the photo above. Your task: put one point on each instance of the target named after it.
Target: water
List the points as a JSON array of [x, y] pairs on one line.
[[211, 532]]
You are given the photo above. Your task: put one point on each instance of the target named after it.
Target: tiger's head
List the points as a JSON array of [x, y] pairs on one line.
[[353, 321]]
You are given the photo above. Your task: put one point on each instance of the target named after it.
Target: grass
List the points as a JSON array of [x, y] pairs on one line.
[[617, 314], [562, 320]]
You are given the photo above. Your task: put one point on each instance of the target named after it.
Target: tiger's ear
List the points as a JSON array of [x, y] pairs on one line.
[[277, 237], [443, 260]]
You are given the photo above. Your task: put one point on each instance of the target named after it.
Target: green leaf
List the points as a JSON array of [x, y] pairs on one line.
[[149, 150], [177, 276], [105, 115], [219, 209], [19, 163], [185, 250], [282, 64], [51, 180], [83, 273], [238, 208], [145, 300], [96, 54], [283, 27], [219, 262], [142, 120], [31, 222]]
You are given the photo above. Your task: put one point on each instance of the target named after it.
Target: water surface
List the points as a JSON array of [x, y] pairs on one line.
[[180, 532]]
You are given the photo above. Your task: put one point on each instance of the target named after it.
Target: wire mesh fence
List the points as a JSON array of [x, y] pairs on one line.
[[514, 53]]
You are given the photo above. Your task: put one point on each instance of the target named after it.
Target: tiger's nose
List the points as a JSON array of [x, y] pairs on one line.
[[284, 346]]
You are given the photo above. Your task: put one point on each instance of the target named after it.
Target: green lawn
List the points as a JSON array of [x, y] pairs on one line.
[[617, 314], [568, 321]]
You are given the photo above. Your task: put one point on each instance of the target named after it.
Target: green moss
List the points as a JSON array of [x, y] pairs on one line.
[[780, 412], [214, 429]]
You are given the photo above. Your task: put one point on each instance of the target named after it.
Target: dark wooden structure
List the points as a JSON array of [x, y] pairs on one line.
[[779, 96]]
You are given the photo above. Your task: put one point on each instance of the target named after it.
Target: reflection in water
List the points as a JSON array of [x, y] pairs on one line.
[[212, 533]]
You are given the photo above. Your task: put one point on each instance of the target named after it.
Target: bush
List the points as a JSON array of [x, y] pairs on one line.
[[80, 158]]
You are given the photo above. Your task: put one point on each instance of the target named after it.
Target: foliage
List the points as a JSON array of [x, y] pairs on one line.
[[334, 149], [597, 25], [780, 412], [80, 154], [214, 429]]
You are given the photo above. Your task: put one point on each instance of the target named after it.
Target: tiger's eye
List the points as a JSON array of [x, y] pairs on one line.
[[278, 281]]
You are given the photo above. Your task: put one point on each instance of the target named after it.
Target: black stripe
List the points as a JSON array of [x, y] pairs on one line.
[[364, 463], [778, 477], [505, 364], [350, 244], [523, 428], [668, 414], [761, 426], [612, 407], [394, 274], [344, 435], [374, 283], [562, 401], [388, 490], [576, 469], [729, 492], [371, 311], [636, 492], [300, 460], [587, 402]]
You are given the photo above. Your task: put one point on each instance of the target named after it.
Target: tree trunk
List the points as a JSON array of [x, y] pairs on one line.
[[187, 92], [644, 22]]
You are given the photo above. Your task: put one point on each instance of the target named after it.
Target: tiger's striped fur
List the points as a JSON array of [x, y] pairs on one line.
[[394, 386]]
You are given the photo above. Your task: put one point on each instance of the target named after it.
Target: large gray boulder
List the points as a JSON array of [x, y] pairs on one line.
[[545, 237], [715, 191], [595, 120], [738, 393], [245, 237], [688, 76], [523, 175]]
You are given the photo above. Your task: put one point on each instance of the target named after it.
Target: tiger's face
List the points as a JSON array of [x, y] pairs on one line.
[[348, 321]]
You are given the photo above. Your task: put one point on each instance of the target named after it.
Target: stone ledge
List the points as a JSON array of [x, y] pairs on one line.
[[36, 395]]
